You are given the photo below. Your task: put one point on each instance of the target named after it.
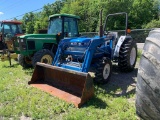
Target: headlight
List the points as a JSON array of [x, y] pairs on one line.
[[74, 43], [86, 43], [18, 40], [80, 43]]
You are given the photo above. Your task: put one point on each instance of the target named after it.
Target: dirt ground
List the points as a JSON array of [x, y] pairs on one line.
[[126, 82]]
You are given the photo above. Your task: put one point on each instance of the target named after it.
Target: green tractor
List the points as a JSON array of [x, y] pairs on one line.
[[33, 48]]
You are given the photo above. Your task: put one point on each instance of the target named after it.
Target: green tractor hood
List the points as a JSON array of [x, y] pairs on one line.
[[38, 37], [30, 43]]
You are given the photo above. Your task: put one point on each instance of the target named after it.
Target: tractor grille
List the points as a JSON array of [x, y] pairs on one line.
[[31, 45], [76, 64], [82, 49]]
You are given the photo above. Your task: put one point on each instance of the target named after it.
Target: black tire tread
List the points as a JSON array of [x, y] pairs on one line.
[[99, 71], [38, 55], [22, 62], [124, 55], [148, 79]]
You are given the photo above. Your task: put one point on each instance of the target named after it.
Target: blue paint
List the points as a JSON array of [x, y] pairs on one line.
[[83, 50]]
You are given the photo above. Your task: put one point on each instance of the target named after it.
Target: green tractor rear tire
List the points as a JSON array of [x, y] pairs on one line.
[[148, 79], [127, 56], [25, 62], [43, 56]]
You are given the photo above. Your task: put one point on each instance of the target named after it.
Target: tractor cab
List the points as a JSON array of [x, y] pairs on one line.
[[10, 28], [65, 25]]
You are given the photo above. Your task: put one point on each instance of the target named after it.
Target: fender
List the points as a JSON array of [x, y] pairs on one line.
[[118, 45]]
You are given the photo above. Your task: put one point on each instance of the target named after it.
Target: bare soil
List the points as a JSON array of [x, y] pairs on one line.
[[122, 83]]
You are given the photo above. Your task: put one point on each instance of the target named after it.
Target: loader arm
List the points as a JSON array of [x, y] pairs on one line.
[[64, 79], [87, 55]]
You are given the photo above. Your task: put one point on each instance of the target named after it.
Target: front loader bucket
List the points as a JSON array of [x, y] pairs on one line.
[[71, 86]]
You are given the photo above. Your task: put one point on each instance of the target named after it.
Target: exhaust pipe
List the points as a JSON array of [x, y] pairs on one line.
[[101, 25]]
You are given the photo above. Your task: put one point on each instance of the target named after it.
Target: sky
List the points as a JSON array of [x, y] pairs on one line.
[[10, 9]]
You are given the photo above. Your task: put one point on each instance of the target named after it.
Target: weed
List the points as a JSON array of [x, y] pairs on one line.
[[139, 53]]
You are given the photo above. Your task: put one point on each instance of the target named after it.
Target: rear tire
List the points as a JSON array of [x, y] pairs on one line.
[[127, 56], [148, 79], [25, 62], [103, 70], [44, 56]]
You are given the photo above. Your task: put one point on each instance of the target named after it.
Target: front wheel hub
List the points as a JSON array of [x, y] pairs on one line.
[[106, 71]]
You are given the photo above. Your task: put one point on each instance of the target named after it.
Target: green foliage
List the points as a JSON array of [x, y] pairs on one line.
[[152, 24], [87, 12], [139, 53], [28, 22], [115, 6], [37, 26], [140, 13], [32, 22]]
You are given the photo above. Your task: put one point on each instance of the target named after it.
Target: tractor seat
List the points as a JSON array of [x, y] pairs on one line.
[[113, 35]]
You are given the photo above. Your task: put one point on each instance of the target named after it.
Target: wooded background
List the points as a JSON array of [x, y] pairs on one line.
[[142, 14]]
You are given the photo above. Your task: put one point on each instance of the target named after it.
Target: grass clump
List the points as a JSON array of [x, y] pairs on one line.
[[139, 53]]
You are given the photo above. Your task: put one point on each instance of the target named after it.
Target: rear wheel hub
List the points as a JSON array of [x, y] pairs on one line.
[[46, 59], [133, 56]]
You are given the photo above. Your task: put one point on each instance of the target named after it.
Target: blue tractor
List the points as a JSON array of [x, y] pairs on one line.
[[77, 57]]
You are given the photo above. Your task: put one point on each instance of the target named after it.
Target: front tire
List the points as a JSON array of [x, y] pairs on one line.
[[127, 56], [148, 79], [103, 70], [43, 56], [24, 61]]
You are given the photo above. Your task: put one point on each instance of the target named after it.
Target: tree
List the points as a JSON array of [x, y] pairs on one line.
[[48, 10], [142, 12], [28, 22], [32, 22], [152, 24], [87, 11], [115, 6], [37, 26]]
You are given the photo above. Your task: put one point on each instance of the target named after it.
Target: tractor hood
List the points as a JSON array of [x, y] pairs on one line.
[[81, 40], [38, 36], [78, 42]]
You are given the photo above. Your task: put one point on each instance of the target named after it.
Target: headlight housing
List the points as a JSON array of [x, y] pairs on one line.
[[22, 43], [79, 43]]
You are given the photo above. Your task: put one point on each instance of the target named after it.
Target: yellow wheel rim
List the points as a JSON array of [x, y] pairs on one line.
[[46, 59]]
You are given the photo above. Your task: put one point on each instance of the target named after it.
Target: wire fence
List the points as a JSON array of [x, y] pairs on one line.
[[139, 35]]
